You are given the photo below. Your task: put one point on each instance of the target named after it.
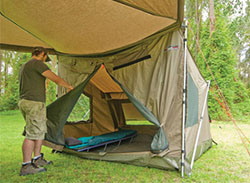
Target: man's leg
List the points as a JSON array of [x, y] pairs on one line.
[[28, 167], [38, 147], [40, 122], [38, 156], [28, 148]]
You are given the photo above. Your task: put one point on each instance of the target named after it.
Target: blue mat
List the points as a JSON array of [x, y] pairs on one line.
[[95, 140]]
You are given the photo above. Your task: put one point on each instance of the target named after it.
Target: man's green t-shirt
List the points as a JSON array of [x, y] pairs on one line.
[[32, 82]]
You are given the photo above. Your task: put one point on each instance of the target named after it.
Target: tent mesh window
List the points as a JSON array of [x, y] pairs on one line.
[[82, 110], [192, 102]]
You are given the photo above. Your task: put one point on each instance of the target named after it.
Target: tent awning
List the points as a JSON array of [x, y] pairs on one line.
[[81, 26]]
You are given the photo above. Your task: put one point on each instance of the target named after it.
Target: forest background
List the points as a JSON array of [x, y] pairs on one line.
[[218, 38]]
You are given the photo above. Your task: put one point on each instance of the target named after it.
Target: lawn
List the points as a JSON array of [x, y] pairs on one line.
[[226, 162]]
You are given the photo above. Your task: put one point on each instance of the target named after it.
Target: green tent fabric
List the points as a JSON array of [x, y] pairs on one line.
[[59, 111], [160, 142]]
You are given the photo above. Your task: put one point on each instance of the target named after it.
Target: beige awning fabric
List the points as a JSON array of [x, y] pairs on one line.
[[13, 35], [84, 27], [165, 8]]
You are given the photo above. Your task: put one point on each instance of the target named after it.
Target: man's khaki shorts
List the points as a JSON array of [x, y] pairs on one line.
[[34, 114]]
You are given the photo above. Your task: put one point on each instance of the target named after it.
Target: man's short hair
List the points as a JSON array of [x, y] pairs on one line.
[[38, 50]]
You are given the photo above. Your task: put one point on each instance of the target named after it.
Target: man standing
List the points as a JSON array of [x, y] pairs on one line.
[[32, 105]]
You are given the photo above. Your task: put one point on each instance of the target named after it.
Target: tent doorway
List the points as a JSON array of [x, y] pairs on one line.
[[111, 111]]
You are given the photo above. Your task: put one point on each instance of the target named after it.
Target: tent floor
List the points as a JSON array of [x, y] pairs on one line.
[[140, 143], [136, 152]]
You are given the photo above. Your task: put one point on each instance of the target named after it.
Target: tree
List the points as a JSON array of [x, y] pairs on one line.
[[11, 64], [198, 23], [244, 67], [218, 45], [222, 58], [194, 16], [211, 17], [6, 68], [0, 72], [244, 36]]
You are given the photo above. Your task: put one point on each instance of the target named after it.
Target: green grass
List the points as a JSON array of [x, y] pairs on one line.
[[226, 162]]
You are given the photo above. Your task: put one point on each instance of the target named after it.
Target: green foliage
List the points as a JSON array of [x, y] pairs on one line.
[[221, 51], [240, 34], [9, 98], [10, 89], [81, 110]]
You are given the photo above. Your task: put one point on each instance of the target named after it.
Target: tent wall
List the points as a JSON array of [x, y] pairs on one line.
[[102, 119], [191, 131], [131, 113], [77, 129], [155, 82]]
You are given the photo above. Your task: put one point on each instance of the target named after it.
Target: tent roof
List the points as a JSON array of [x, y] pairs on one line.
[[81, 26]]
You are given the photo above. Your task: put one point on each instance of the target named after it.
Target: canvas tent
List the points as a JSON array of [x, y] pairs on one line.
[[129, 58]]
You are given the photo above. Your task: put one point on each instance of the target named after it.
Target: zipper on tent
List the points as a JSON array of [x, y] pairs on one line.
[[132, 62]]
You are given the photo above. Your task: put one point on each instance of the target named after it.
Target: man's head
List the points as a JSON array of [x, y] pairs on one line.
[[40, 53]]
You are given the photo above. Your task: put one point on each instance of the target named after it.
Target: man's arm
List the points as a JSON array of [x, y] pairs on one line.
[[59, 81]]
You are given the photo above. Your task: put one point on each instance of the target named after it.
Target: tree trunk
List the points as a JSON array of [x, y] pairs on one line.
[[6, 69], [197, 29], [211, 17], [0, 72]]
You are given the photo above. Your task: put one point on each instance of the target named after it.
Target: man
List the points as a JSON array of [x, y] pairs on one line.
[[32, 105]]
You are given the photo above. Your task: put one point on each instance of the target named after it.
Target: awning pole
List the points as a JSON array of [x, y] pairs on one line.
[[199, 129], [184, 101]]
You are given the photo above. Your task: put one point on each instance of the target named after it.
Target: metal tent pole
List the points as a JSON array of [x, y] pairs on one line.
[[85, 114], [184, 101], [199, 129]]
